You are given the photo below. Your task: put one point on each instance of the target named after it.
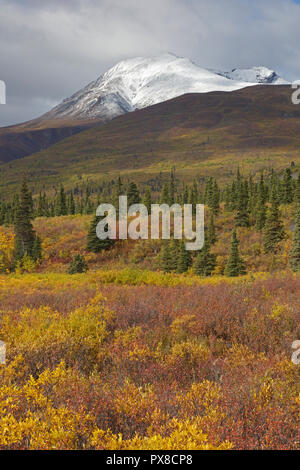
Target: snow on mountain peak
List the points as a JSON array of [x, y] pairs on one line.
[[261, 75], [144, 81]]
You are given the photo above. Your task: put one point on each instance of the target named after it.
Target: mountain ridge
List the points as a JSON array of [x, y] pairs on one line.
[[144, 81]]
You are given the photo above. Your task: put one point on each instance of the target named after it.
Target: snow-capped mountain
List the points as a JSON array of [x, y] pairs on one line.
[[261, 75], [143, 81]]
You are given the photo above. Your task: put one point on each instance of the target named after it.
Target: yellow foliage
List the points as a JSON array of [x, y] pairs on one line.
[[28, 264], [278, 311], [183, 325], [201, 400], [29, 418], [78, 336], [190, 352], [136, 402], [179, 435], [6, 251]]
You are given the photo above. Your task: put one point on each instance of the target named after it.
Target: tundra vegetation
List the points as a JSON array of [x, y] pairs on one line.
[[141, 344]]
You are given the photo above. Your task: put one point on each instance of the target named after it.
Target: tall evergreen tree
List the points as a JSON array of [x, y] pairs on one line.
[[173, 255], [40, 208], [235, 264], [165, 194], [172, 188], [89, 209], [61, 203], [294, 254], [133, 195], [287, 187], [94, 244], [37, 249], [242, 216], [166, 264], [184, 258], [185, 197], [261, 190], [71, 204], [211, 231], [260, 213], [275, 186], [148, 200], [24, 233], [118, 191], [215, 203], [273, 230], [297, 193], [205, 261], [208, 194], [233, 196], [227, 198]]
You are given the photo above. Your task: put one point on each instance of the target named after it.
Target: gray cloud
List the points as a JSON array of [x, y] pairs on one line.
[[48, 51]]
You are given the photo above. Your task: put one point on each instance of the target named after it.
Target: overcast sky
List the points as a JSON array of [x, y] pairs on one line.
[[48, 50]]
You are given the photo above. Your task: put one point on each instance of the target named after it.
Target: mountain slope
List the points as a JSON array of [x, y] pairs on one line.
[[25, 139], [129, 85], [201, 134], [145, 81]]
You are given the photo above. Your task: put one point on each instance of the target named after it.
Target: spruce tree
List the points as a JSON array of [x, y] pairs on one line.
[[61, 204], [52, 210], [118, 191], [273, 230], [173, 255], [89, 209], [227, 199], [24, 233], [165, 194], [37, 249], [94, 244], [71, 204], [294, 254], [133, 195], [215, 203], [235, 264], [211, 231], [185, 198], [260, 213], [40, 209], [148, 200], [166, 258], [287, 187], [183, 258], [172, 188], [205, 261], [45, 205], [297, 192], [261, 190], [209, 193], [276, 187], [242, 216], [78, 265]]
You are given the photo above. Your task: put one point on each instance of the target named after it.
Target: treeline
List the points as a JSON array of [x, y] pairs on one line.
[[247, 197], [255, 204]]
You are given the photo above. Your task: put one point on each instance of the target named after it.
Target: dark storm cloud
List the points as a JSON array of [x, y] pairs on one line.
[[50, 49]]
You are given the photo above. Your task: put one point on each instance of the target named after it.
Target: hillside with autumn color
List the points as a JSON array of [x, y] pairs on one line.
[[202, 135]]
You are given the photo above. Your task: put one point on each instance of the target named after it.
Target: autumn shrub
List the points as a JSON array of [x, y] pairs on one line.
[[141, 360]]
